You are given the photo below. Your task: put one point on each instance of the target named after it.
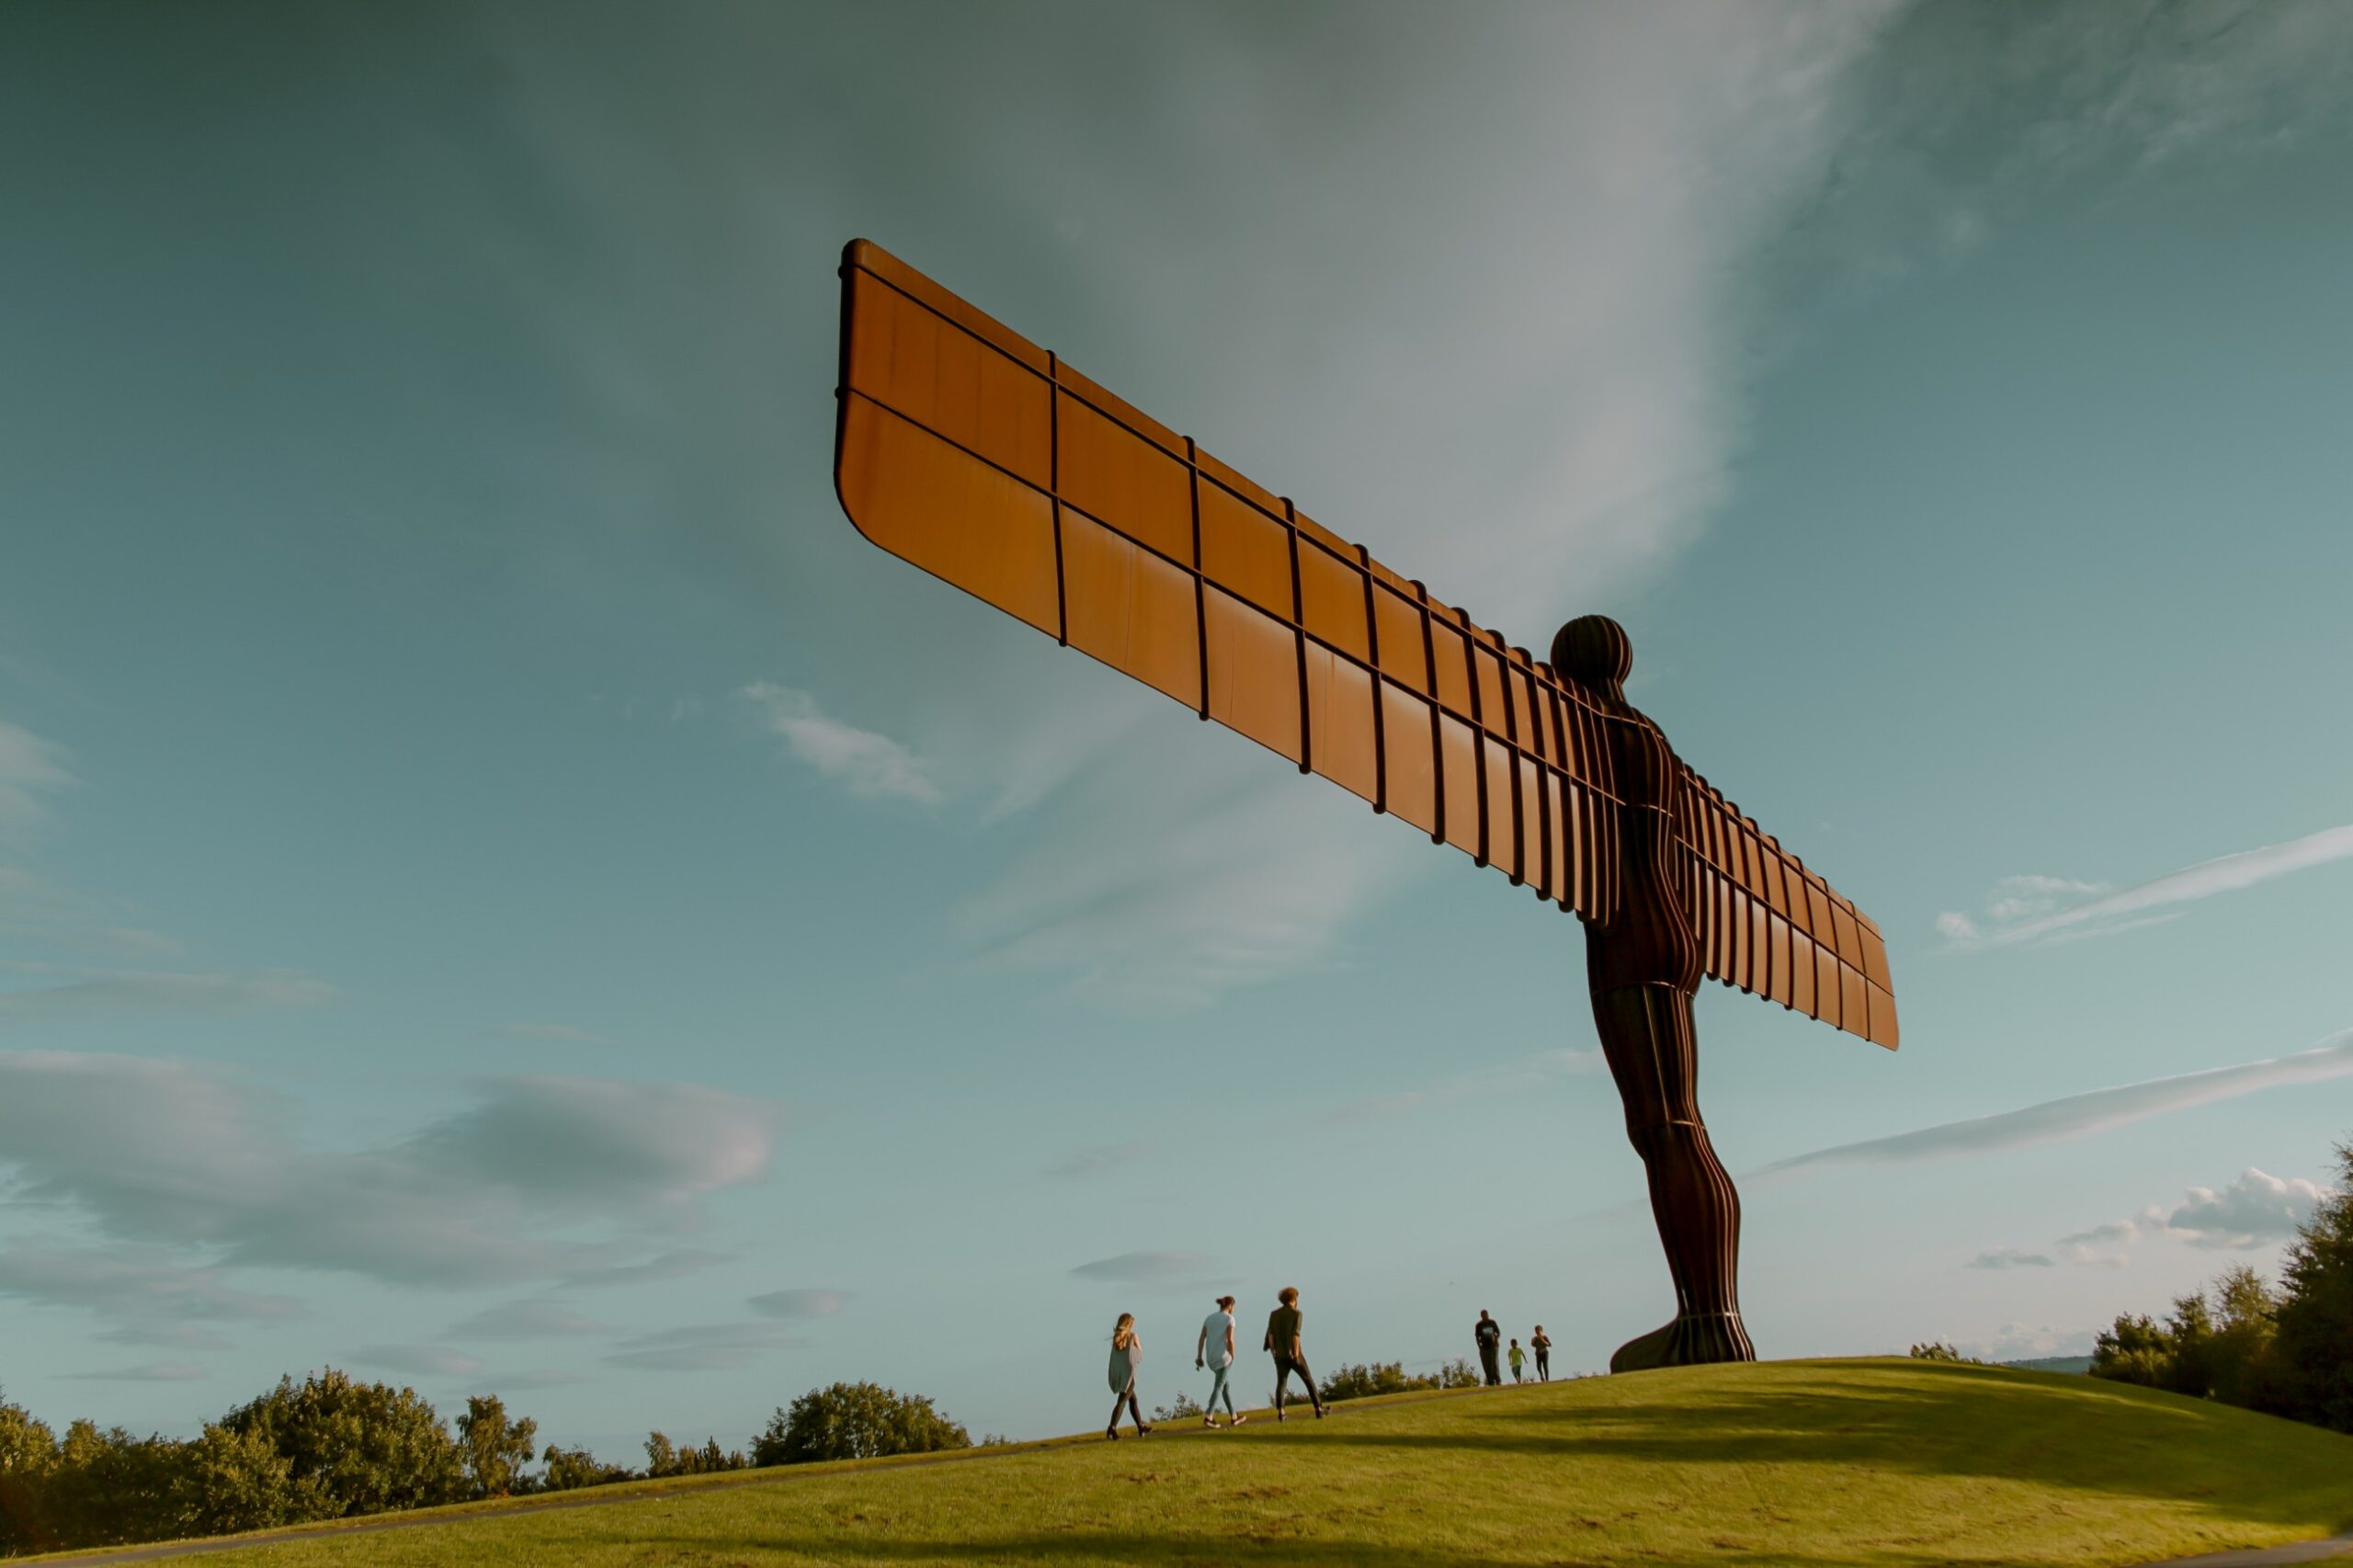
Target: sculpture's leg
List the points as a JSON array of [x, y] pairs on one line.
[[1646, 1033]]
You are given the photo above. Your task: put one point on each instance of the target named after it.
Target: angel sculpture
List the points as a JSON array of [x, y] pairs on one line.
[[963, 447]]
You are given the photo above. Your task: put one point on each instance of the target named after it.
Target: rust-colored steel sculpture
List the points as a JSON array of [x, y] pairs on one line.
[[965, 449]]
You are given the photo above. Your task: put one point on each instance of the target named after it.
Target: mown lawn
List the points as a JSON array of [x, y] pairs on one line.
[[1878, 1462]]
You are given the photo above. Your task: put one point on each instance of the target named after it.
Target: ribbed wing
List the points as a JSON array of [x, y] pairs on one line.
[[965, 449], [1772, 928]]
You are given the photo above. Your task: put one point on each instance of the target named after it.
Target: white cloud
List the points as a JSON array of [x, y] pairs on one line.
[[161, 1152], [800, 1303], [2256, 1209], [2049, 909], [2078, 1116], [860, 760]]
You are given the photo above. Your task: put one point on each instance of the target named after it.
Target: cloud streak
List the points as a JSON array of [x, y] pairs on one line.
[[1146, 1268], [861, 761], [2047, 909], [2079, 1116], [216, 991]]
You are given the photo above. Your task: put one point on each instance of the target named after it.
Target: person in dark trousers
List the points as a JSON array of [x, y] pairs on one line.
[[1490, 1335], [1282, 1339], [1127, 1355], [1543, 1349]]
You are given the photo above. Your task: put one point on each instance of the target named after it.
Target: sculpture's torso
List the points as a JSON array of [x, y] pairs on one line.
[[1648, 939]]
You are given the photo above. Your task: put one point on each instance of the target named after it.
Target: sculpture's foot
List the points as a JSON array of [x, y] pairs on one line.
[[1700, 1340]]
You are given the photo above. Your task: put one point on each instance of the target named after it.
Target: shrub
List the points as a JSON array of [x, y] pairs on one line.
[[1390, 1377], [1937, 1350], [1184, 1409], [662, 1457], [570, 1469], [855, 1421]]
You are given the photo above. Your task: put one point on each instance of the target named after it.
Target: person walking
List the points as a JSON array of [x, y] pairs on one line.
[[1518, 1360], [1282, 1339], [1127, 1355], [1543, 1349], [1215, 1349], [1490, 1335]]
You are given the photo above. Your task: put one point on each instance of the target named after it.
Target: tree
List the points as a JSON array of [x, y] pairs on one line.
[[1390, 1377], [855, 1421], [570, 1469], [2136, 1350], [367, 1447], [2312, 1328], [495, 1448], [28, 1459], [230, 1481], [1184, 1409], [1937, 1350]]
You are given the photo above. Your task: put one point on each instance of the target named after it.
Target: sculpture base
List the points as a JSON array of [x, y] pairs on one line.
[[1701, 1339]]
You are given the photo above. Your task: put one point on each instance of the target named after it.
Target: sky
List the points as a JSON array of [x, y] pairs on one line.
[[502, 888]]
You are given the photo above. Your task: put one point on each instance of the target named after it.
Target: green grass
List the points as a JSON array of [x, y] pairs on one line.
[[1879, 1462]]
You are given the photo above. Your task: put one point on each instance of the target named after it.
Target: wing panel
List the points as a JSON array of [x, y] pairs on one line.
[[1409, 771], [1253, 674], [1341, 742], [949, 513], [1108, 472], [1129, 609]]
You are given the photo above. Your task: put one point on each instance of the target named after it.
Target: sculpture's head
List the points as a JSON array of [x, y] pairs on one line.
[[1594, 650]]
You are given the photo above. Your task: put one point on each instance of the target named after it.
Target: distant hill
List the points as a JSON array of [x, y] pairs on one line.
[[2078, 1364], [1789, 1463]]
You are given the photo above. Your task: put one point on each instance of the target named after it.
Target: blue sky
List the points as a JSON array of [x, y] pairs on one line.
[[501, 886]]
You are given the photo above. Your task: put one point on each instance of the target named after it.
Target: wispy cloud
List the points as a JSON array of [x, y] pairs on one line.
[[2078, 1116], [154, 1372], [148, 1295], [1099, 1159], [29, 769], [702, 1347], [525, 1321], [676, 1264], [1503, 1078], [2256, 1210], [160, 1152], [2049, 909], [562, 1034], [1147, 1269], [420, 1360], [861, 761], [2009, 1258], [215, 991], [800, 1303]]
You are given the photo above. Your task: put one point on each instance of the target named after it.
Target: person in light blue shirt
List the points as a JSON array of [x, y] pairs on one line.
[[1215, 1349]]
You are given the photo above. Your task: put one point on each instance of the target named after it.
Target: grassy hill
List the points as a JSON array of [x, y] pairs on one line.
[[1880, 1462]]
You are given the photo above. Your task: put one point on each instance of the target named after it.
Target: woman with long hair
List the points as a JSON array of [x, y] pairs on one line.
[[1127, 1355]]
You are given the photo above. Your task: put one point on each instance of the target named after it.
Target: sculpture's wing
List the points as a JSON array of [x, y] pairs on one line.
[[1773, 928], [967, 449]]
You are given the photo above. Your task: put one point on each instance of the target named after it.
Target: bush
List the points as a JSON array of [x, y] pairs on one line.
[[1184, 1409], [1390, 1377], [662, 1457], [1937, 1350], [2220, 1349], [568, 1470], [855, 1421]]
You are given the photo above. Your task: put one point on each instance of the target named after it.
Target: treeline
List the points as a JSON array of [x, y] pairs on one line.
[[1354, 1382], [331, 1448], [2287, 1350]]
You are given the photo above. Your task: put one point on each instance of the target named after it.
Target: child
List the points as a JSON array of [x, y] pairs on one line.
[[1542, 1345], [1518, 1360]]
